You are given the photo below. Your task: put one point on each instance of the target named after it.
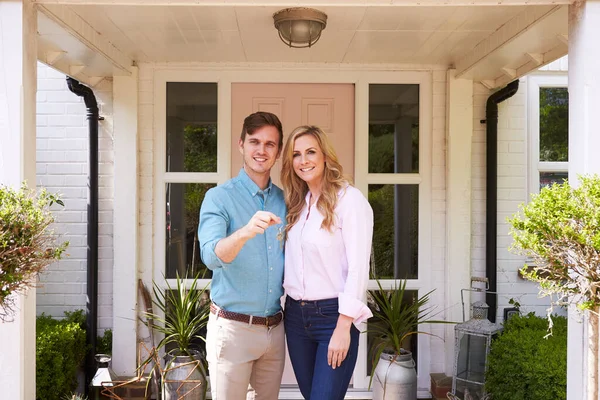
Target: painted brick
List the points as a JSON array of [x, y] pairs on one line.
[[50, 108], [62, 142]]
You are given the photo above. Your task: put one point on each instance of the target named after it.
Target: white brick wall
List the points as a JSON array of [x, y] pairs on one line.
[[62, 152], [512, 191]]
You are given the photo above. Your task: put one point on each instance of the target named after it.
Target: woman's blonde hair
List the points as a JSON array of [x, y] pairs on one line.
[[295, 189]]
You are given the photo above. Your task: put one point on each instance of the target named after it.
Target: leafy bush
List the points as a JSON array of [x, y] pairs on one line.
[[524, 364], [27, 246], [104, 343], [560, 230], [60, 350]]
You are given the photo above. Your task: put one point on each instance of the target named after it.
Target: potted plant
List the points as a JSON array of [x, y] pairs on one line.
[[396, 317], [181, 316], [27, 245]]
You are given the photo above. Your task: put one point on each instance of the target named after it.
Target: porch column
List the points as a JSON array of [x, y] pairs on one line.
[[584, 142], [18, 75], [125, 128], [459, 133]]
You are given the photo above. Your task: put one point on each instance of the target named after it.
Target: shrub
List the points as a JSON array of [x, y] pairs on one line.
[[104, 343], [525, 363], [27, 245], [60, 350]]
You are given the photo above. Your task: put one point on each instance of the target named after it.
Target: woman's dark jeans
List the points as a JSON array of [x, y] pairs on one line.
[[308, 328]]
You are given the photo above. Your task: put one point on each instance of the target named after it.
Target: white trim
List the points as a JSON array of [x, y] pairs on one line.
[[125, 223], [82, 31], [361, 79], [517, 27], [18, 80], [459, 136], [534, 83], [311, 3]]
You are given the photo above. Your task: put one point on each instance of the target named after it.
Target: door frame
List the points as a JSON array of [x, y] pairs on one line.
[[361, 77]]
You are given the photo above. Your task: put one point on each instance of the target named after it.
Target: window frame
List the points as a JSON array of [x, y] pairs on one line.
[[360, 78], [534, 83]]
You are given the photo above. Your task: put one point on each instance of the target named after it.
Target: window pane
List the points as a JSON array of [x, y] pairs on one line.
[[191, 127], [396, 231], [183, 210], [409, 344], [554, 124], [548, 178], [393, 128]]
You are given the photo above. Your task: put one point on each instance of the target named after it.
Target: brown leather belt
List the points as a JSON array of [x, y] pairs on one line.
[[270, 321]]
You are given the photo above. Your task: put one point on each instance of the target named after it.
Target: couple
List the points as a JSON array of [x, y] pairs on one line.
[[327, 232]]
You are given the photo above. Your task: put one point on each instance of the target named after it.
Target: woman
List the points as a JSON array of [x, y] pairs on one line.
[[328, 242]]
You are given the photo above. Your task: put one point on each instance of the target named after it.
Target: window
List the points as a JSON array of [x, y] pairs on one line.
[[190, 149], [398, 187], [548, 130], [394, 151]]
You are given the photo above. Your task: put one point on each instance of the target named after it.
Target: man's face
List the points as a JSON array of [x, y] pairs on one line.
[[260, 151]]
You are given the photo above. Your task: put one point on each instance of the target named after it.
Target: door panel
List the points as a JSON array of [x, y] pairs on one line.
[[329, 106]]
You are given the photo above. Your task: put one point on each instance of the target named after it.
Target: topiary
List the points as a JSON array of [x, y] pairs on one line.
[[525, 363]]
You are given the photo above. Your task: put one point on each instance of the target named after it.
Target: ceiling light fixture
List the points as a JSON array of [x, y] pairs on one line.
[[300, 27]]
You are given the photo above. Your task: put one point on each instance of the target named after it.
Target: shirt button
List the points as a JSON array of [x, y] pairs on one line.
[[270, 291], [269, 247], [271, 268]]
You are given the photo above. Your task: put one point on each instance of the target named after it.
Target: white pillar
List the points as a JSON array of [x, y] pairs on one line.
[[125, 105], [459, 135], [584, 142], [18, 74]]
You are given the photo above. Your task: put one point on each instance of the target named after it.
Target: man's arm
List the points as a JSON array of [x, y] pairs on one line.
[[228, 248]]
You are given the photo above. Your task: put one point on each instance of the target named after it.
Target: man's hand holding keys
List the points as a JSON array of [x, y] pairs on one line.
[[260, 222]]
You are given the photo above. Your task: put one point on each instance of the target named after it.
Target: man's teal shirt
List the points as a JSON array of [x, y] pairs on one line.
[[252, 283]]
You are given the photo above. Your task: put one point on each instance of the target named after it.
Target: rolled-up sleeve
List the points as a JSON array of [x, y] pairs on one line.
[[212, 228], [356, 217]]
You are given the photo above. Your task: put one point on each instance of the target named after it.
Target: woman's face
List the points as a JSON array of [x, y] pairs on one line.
[[309, 160]]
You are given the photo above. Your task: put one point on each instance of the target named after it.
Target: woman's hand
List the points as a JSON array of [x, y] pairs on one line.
[[339, 342]]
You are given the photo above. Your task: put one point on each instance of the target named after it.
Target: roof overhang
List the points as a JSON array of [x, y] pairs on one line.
[[493, 42]]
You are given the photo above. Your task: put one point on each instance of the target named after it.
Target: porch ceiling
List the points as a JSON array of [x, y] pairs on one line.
[[493, 44]]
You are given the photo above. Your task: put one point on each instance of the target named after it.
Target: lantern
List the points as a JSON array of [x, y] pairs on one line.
[[473, 339], [104, 376]]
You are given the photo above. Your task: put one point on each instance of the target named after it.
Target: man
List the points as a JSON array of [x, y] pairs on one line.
[[241, 241]]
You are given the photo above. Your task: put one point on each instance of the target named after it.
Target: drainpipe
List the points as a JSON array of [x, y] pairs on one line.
[[92, 226], [491, 202]]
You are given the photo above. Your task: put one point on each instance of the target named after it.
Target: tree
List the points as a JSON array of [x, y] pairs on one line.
[[27, 245], [560, 230]]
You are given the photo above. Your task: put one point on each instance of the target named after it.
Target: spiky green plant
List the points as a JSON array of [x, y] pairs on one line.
[[183, 314], [75, 396], [396, 317]]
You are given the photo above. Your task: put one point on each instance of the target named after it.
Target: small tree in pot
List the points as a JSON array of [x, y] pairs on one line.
[[396, 318], [182, 317], [27, 245]]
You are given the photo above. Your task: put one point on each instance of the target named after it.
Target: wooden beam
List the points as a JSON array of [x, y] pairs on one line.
[[310, 3], [514, 28], [82, 31]]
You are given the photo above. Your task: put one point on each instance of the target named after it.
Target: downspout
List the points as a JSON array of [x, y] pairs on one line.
[[92, 225], [491, 202]]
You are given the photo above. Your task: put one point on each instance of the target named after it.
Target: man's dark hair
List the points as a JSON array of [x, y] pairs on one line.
[[255, 121]]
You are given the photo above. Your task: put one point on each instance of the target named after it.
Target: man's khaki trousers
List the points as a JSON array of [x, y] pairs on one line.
[[239, 354]]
